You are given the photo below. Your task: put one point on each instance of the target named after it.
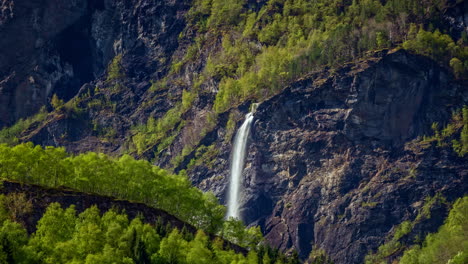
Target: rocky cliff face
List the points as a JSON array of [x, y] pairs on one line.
[[333, 163], [35, 59], [55, 47]]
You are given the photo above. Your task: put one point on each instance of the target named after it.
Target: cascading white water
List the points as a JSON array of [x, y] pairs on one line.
[[237, 165]]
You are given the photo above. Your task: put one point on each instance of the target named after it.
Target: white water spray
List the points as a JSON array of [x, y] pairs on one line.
[[237, 165]]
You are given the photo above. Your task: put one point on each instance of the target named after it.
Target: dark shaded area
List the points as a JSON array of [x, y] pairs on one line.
[[75, 47]]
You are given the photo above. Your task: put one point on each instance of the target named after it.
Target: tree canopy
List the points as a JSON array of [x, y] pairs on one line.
[[63, 236], [122, 177]]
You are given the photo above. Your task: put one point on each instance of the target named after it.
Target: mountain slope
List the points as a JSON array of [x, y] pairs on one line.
[[334, 159], [336, 150]]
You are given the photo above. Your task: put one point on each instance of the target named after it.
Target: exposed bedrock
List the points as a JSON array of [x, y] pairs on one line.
[[50, 46], [333, 162]]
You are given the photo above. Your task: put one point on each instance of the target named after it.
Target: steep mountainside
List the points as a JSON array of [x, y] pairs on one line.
[[336, 157], [56, 47], [333, 160]]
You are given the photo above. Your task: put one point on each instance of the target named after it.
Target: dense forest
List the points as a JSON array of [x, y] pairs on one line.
[[298, 36], [63, 236], [124, 178]]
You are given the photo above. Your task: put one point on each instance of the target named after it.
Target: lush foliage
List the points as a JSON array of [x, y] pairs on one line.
[[62, 236], [440, 47], [448, 245], [125, 178], [266, 46], [461, 145]]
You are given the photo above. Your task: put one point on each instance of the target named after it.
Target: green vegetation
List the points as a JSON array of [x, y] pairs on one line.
[[204, 156], [455, 133], [391, 247], [155, 131], [10, 135], [234, 230], [461, 145], [56, 102], [254, 50], [440, 47], [124, 178], [158, 85], [114, 71], [102, 103], [257, 52], [209, 123], [448, 245], [264, 49], [231, 125], [163, 131], [62, 236], [318, 256], [395, 245], [72, 109], [369, 204]]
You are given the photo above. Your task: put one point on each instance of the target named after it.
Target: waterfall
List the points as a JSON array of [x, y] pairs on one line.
[[237, 165]]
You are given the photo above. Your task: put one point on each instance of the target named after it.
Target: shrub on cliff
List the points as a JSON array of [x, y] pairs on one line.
[[448, 245]]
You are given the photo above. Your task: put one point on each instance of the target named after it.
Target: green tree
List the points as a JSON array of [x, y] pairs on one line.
[[55, 226], [449, 244], [198, 250], [89, 238], [56, 102], [457, 66], [114, 70], [382, 40], [225, 13], [266, 259], [13, 238], [173, 249]]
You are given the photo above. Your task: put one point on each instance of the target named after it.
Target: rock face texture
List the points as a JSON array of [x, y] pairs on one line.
[[33, 62], [334, 161], [53, 46]]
